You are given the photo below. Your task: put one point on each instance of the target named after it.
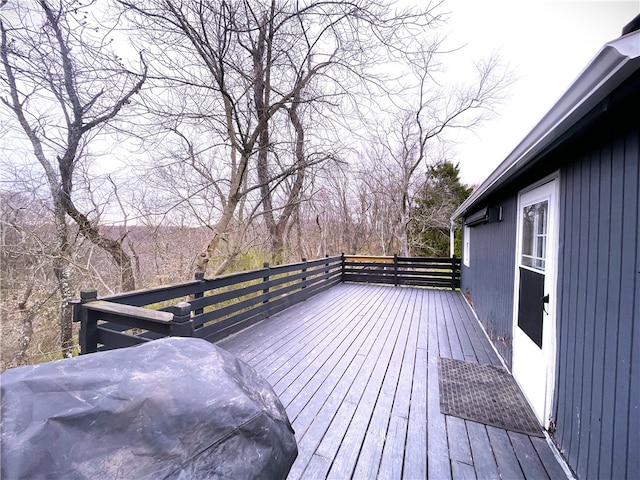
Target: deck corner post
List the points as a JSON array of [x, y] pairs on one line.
[[342, 267], [88, 322], [181, 325], [86, 295], [395, 269]]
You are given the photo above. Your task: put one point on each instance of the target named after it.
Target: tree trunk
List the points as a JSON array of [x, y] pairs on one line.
[[261, 68], [235, 196], [113, 247], [63, 278], [26, 329], [404, 225]]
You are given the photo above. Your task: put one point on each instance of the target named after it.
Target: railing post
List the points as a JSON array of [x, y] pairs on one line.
[[453, 272], [342, 267], [199, 276], [395, 269], [88, 323], [266, 279], [265, 291], [326, 265], [304, 269], [181, 325]]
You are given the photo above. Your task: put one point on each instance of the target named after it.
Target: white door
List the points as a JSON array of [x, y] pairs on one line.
[[534, 348]]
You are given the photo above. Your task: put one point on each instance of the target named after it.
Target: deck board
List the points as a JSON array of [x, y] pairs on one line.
[[504, 453], [483, 459], [527, 456], [437, 442], [356, 368]]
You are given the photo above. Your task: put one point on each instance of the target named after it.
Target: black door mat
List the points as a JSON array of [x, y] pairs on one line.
[[485, 394]]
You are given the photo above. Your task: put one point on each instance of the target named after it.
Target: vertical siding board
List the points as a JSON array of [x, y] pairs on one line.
[[633, 461], [612, 317], [578, 310], [600, 310], [569, 307], [561, 377], [591, 166], [579, 317], [564, 282], [629, 207], [564, 324]]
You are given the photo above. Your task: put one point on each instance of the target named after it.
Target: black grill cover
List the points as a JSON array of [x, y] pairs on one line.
[[173, 408]]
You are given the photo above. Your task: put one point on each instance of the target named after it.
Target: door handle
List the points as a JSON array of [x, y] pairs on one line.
[[545, 300]]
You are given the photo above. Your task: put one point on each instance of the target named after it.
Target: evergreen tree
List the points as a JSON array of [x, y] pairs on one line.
[[439, 196]]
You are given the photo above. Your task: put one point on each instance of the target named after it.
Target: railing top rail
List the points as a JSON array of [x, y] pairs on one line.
[[119, 297], [391, 258], [129, 311], [369, 258]]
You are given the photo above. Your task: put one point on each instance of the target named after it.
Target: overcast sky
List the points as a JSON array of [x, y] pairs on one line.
[[547, 42]]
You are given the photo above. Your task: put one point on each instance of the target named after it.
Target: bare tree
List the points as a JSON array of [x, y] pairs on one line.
[[27, 295], [418, 138], [63, 86], [246, 68]]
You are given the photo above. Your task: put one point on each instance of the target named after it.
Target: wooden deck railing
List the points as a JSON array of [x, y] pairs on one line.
[[419, 271], [215, 308]]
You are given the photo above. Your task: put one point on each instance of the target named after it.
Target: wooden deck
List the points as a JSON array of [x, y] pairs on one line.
[[356, 369]]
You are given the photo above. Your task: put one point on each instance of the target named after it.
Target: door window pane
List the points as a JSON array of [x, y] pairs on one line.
[[534, 235]]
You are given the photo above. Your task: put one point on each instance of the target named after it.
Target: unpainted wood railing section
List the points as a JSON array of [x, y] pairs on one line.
[[214, 308]]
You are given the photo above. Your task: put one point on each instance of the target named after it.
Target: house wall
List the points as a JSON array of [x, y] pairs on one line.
[[492, 264], [597, 395], [596, 401]]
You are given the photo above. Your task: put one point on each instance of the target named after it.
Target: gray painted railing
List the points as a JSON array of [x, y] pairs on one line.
[[215, 308]]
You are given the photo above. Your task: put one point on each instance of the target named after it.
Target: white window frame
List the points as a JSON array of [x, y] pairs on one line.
[[538, 242]]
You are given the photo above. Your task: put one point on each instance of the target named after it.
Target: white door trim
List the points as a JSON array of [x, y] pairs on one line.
[[542, 407]]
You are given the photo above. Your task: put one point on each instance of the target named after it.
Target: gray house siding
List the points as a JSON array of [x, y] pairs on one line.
[[597, 404], [492, 256], [592, 137], [597, 394]]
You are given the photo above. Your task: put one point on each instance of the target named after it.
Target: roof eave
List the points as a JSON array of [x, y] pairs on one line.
[[613, 64]]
